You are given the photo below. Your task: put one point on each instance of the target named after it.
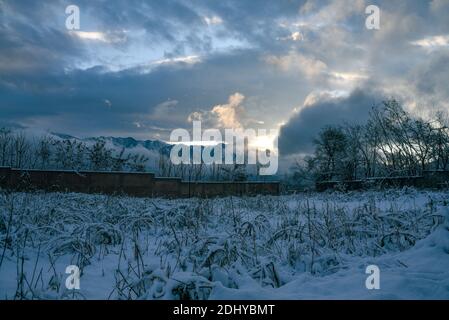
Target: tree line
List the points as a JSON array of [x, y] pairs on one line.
[[46, 152], [17, 150], [391, 143]]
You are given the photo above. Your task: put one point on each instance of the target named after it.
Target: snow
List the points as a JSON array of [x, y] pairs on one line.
[[420, 273], [305, 246]]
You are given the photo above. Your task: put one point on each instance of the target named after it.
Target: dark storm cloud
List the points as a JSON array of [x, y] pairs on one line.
[[78, 98], [28, 47], [36, 87], [297, 135], [432, 77]]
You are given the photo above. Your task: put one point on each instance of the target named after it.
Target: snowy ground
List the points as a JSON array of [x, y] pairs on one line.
[[313, 246]]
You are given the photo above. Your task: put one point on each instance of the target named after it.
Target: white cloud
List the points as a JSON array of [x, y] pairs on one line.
[[111, 37], [148, 67], [214, 20], [332, 13], [294, 61], [316, 96], [228, 115], [432, 42], [192, 59], [294, 36], [231, 115], [338, 11], [347, 80]]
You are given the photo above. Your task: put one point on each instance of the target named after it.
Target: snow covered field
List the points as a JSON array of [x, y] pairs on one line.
[[313, 246]]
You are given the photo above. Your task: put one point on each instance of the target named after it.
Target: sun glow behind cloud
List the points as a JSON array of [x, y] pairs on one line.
[[264, 142], [92, 35], [112, 37]]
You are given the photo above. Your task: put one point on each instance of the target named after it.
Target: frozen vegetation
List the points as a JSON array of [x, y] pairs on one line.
[[306, 246]]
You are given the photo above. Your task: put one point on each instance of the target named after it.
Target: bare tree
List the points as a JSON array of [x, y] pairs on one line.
[[330, 147], [392, 143], [138, 162], [120, 160], [5, 144], [19, 150], [165, 165], [99, 156]]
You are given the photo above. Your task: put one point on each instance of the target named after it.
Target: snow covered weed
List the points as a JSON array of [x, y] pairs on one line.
[[182, 249]]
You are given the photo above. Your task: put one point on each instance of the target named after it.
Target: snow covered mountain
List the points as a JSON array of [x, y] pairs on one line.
[[120, 142]]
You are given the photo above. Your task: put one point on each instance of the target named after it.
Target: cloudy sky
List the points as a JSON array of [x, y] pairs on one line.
[[143, 68]]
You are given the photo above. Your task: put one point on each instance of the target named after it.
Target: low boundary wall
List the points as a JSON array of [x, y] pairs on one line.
[[130, 183], [429, 179]]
